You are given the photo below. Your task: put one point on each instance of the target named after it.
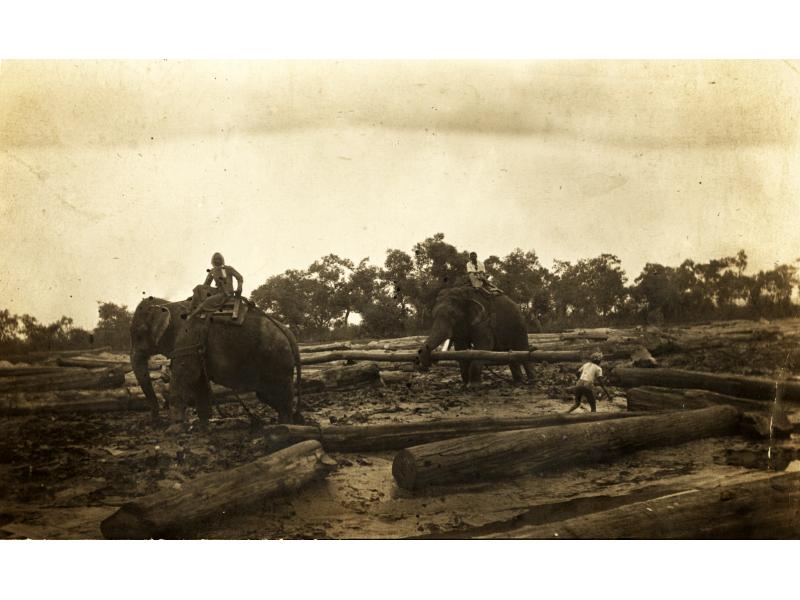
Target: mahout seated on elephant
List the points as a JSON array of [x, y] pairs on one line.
[[474, 320], [215, 297], [259, 354]]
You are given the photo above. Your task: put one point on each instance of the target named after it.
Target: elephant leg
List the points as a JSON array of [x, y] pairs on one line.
[[528, 372], [464, 366], [516, 373], [203, 404], [280, 396], [475, 370]]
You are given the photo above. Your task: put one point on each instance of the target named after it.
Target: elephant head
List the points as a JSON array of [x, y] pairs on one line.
[[153, 329], [458, 311]]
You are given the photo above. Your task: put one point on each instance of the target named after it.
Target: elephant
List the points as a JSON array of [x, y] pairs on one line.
[[474, 320], [259, 355]]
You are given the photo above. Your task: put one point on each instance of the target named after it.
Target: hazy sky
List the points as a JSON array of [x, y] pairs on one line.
[[119, 179]]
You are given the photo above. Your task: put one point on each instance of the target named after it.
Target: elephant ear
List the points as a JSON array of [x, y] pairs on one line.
[[477, 312], [159, 319]]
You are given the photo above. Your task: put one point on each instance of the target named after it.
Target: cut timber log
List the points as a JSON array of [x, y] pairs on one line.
[[218, 494], [396, 377], [766, 426], [648, 398], [511, 453], [324, 347], [40, 356], [93, 363], [482, 355], [72, 401], [342, 378], [25, 371], [395, 436], [74, 380], [767, 508], [757, 388], [641, 358]]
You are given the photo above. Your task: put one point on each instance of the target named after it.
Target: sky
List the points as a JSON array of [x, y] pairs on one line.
[[119, 179]]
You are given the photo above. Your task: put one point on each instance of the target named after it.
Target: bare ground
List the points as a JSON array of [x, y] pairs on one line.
[[61, 475]]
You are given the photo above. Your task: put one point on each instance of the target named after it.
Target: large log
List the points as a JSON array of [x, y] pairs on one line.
[[511, 453], [72, 401], [649, 398], [306, 349], [482, 355], [767, 508], [216, 495], [757, 388], [342, 378], [40, 356], [74, 379], [395, 436], [25, 371]]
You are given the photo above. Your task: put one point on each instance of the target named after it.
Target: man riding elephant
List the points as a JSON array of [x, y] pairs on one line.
[[476, 321], [221, 275]]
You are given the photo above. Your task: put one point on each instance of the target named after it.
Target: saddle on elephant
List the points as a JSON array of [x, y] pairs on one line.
[[207, 303]]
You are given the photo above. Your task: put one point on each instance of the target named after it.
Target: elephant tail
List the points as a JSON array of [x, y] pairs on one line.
[[296, 353]]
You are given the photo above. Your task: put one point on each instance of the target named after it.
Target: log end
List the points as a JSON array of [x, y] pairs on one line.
[[404, 470]]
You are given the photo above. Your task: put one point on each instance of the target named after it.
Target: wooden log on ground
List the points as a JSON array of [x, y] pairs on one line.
[[767, 508], [324, 347], [650, 398], [641, 358], [40, 356], [756, 388], [761, 425], [75, 379], [342, 378], [482, 355], [510, 453], [72, 401], [25, 371], [94, 363], [396, 377], [215, 495], [395, 436]]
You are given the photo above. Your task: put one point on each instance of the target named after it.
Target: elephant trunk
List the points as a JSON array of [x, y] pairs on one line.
[[139, 363], [440, 332]]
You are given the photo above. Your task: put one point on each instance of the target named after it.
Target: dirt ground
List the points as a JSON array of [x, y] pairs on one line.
[[61, 475]]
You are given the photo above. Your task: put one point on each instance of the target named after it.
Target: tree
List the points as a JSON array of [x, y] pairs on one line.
[[524, 280], [113, 326], [589, 289], [437, 265]]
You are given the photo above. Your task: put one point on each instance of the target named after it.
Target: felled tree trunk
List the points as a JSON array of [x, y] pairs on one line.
[[40, 356], [767, 508], [342, 378], [395, 436], [215, 495], [23, 403], [310, 349], [72, 380], [649, 398], [482, 355], [511, 453], [757, 388]]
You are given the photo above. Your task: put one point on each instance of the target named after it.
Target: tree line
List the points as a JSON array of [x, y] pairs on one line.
[[396, 298]]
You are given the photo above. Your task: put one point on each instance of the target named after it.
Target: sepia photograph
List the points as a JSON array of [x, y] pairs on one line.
[[399, 299]]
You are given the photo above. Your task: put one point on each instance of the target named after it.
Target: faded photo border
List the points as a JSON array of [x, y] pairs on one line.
[[409, 30]]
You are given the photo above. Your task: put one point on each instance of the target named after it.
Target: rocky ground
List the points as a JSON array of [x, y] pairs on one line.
[[61, 475]]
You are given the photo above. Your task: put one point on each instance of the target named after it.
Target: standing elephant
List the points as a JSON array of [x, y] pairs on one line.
[[473, 320], [259, 355]]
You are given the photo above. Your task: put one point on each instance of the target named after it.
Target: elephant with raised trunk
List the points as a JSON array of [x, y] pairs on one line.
[[259, 355], [473, 320]]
